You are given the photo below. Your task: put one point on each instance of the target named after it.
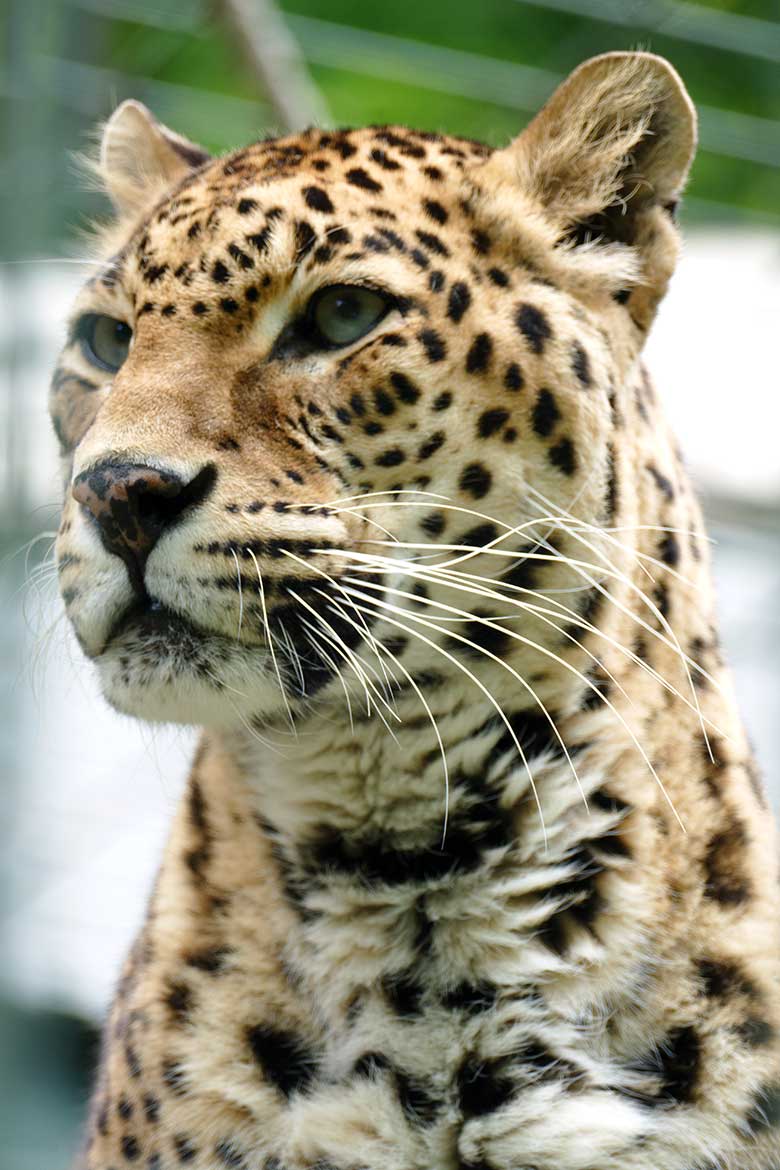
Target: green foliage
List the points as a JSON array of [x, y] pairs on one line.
[[70, 61]]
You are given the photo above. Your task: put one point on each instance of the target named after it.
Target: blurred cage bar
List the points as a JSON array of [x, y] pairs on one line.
[[79, 836]]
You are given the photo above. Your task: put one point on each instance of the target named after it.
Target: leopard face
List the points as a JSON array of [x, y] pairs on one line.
[[315, 376]]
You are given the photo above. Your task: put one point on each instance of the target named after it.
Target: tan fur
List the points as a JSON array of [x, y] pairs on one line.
[[560, 953]]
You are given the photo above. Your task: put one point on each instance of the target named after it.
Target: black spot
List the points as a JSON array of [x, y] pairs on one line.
[[721, 977], [124, 1108], [662, 482], [432, 243], [480, 242], [220, 274], [384, 160], [483, 1086], [185, 1150], [339, 235], [522, 574], [404, 994], [436, 281], [433, 524], [391, 458], [534, 326], [305, 238], [471, 997], [283, 1057], [726, 881], [755, 1031], [476, 480], [245, 206], [433, 344], [611, 495], [383, 402], [199, 308], [764, 1113], [131, 1150], [513, 377], [419, 1106], [545, 413], [458, 301], [675, 1061], [404, 387], [498, 277], [479, 536], [669, 549], [155, 272], [151, 1105], [230, 1155], [431, 446], [368, 1064], [563, 456], [488, 639], [179, 1000], [317, 199], [435, 210], [260, 239], [210, 959], [580, 364], [361, 178], [478, 357], [241, 257], [174, 1077], [491, 421], [442, 401], [228, 305]]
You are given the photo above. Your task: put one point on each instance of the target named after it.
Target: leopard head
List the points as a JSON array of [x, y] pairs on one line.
[[329, 405]]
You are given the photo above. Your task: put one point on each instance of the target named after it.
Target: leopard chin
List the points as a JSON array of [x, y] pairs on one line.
[[158, 666]]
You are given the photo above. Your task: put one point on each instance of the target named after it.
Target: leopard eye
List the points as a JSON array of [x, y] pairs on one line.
[[344, 313], [105, 340]]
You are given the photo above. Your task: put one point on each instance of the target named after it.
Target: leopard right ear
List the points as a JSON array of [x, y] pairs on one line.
[[140, 158]]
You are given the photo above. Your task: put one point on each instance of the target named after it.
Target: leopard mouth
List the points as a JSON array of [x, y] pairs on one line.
[[150, 619]]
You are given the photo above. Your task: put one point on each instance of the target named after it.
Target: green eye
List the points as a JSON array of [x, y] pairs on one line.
[[106, 341], [344, 313]]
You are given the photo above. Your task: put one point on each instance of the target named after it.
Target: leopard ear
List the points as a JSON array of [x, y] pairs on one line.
[[140, 158], [614, 141]]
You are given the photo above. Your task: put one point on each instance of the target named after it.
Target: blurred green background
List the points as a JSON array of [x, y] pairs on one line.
[[224, 73]]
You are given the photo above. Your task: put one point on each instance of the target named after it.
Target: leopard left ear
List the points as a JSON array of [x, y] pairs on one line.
[[605, 162], [617, 137], [140, 158]]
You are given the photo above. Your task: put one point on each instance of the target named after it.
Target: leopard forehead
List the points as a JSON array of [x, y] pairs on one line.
[[271, 208]]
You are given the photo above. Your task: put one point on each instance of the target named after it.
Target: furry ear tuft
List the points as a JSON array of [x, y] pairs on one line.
[[616, 138], [140, 158]]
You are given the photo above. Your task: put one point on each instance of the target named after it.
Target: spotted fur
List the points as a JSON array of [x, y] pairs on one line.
[[468, 539]]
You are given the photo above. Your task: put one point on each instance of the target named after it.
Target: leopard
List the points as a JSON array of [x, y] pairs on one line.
[[366, 478]]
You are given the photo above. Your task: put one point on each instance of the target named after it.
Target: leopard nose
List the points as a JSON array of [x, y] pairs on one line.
[[133, 505]]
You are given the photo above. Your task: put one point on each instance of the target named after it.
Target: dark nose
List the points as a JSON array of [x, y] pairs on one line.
[[133, 505]]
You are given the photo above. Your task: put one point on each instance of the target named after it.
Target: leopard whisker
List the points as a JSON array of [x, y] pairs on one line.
[[387, 606], [270, 639], [332, 581], [548, 654], [416, 688], [354, 661], [240, 596], [316, 641], [665, 624]]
